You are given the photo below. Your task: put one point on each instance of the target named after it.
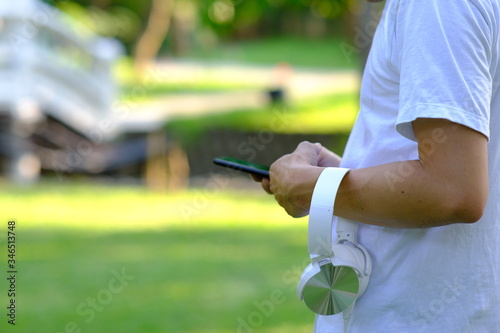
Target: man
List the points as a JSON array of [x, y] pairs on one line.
[[424, 183]]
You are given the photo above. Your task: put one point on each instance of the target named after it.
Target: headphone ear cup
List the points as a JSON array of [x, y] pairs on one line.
[[310, 271], [327, 289]]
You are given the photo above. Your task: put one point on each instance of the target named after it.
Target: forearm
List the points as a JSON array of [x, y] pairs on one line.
[[447, 184], [403, 195]]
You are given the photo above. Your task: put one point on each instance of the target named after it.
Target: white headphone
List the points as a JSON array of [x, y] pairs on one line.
[[338, 275]]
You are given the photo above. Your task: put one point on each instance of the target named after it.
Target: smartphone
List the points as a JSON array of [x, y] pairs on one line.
[[241, 165]]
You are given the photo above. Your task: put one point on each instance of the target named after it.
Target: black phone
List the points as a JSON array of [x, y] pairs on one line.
[[241, 165]]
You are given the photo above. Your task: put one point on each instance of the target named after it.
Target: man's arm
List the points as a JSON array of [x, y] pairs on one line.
[[447, 184]]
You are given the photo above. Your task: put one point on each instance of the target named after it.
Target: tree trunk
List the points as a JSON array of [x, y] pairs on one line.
[[101, 4], [153, 36]]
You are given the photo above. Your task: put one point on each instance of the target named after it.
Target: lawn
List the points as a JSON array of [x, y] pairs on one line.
[[96, 258], [298, 52]]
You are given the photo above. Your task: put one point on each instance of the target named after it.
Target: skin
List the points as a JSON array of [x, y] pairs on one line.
[[447, 184]]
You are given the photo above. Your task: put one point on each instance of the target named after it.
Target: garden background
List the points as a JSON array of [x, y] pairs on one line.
[[104, 254]]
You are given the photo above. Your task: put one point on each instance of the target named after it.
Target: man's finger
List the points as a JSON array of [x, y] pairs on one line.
[[309, 151], [256, 178], [266, 185]]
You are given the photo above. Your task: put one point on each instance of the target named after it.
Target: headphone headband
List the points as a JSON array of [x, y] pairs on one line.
[[321, 214]]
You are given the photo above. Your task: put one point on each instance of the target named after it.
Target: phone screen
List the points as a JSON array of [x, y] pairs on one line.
[[237, 164]]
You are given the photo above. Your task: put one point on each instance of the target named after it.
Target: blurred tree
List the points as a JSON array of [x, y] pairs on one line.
[[150, 42], [143, 26]]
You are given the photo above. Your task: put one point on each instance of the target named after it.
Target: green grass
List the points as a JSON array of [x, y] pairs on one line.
[[298, 52], [235, 257], [170, 88]]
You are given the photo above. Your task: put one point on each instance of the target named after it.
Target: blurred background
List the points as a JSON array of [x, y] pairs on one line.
[[111, 112]]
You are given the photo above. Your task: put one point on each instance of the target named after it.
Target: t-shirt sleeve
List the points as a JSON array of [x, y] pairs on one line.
[[444, 58]]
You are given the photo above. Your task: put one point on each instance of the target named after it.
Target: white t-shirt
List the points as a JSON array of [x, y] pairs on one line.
[[433, 59]]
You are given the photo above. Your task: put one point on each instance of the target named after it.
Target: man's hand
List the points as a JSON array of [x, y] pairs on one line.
[[293, 176]]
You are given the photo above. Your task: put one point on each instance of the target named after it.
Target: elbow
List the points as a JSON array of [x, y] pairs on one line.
[[466, 208], [470, 213]]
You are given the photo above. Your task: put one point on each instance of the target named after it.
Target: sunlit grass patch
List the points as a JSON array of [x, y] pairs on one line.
[[96, 207]]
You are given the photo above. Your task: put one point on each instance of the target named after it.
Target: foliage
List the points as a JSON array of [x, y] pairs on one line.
[[200, 21], [265, 16]]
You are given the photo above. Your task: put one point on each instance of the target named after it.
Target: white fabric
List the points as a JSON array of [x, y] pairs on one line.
[[438, 59]]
